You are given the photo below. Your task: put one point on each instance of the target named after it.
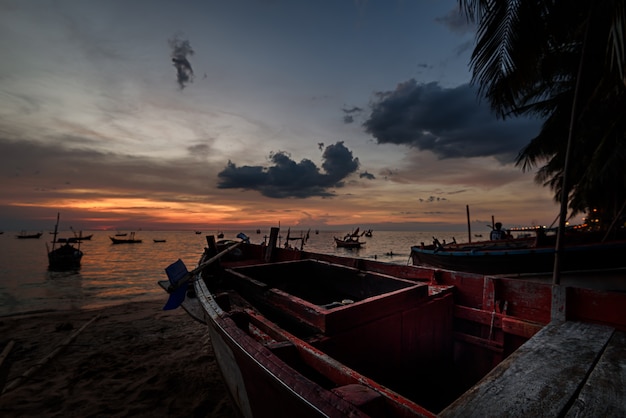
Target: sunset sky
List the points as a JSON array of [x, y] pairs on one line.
[[328, 114]]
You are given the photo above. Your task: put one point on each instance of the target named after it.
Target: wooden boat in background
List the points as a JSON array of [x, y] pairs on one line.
[[130, 240], [299, 334], [350, 240], [520, 256], [75, 239], [24, 235], [64, 258]]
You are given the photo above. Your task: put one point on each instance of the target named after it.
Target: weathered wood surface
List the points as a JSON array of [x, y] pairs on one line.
[[604, 394], [545, 376]]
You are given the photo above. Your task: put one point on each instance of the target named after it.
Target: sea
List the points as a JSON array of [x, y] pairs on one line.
[[113, 274]]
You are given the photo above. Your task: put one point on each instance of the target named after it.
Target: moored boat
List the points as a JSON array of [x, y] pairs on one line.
[[350, 240], [520, 256], [66, 257], [303, 334], [24, 235], [130, 240]]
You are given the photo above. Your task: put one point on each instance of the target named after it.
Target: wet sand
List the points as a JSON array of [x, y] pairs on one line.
[[130, 360]]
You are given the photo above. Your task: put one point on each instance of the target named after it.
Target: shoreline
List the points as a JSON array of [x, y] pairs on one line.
[[128, 359]]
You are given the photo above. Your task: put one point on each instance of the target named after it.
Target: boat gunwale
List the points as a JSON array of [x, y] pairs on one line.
[[217, 317]]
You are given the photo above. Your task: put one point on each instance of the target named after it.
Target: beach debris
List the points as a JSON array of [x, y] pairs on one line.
[[15, 382], [3, 356]]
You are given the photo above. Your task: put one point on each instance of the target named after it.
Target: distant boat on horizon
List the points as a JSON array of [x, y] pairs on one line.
[[24, 235], [129, 240]]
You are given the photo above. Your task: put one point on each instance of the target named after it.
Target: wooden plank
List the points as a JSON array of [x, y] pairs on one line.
[[524, 329], [604, 394], [541, 378]]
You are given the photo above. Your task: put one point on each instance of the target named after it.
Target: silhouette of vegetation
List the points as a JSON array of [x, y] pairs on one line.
[[564, 62]]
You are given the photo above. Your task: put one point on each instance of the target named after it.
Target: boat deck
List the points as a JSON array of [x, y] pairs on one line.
[[566, 369]]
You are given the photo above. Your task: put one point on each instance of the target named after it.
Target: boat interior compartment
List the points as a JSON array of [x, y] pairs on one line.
[[328, 297], [352, 316]]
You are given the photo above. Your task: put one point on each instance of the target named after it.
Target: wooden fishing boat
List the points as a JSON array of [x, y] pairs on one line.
[[520, 256], [348, 242], [24, 235], [299, 334], [64, 258], [130, 240], [75, 239]]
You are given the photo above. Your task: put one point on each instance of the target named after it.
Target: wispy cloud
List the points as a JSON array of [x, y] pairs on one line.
[[181, 49]]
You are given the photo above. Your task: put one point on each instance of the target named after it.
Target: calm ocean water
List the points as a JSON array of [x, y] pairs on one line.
[[114, 274]]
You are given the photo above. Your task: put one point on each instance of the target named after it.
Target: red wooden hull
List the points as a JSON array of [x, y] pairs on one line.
[[298, 334]]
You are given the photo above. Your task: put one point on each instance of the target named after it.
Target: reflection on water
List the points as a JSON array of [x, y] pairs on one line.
[[112, 274]]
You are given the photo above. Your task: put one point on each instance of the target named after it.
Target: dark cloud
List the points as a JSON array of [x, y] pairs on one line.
[[366, 175], [450, 122], [181, 49], [288, 178]]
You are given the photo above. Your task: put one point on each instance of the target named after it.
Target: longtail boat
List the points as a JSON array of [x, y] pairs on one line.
[[130, 240], [520, 256], [300, 334], [24, 235], [65, 257]]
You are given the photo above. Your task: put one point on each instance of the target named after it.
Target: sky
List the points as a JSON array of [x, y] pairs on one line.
[[207, 114]]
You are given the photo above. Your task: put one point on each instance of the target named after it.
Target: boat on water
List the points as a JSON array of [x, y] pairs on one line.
[[350, 240], [75, 239], [63, 258], [528, 254], [159, 240], [299, 334], [130, 240], [24, 235]]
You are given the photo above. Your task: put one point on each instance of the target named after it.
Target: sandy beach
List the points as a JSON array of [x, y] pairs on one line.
[[129, 360]]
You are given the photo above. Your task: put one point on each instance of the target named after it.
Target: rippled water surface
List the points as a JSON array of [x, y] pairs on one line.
[[112, 274]]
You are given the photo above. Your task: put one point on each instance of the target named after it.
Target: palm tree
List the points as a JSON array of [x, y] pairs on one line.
[[562, 61]]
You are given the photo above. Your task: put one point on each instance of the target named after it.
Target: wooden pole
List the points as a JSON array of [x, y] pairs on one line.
[[269, 251], [193, 272], [469, 227], [3, 356]]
